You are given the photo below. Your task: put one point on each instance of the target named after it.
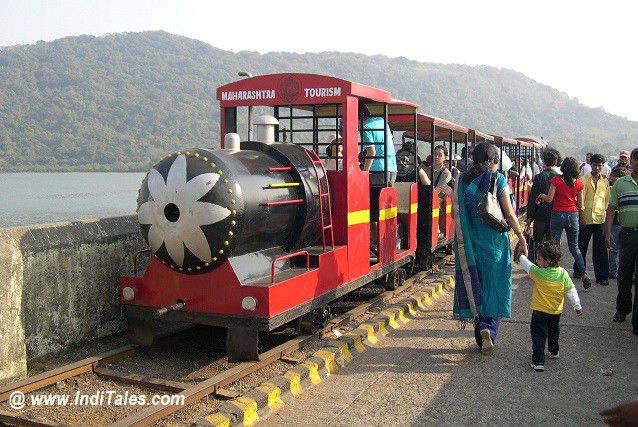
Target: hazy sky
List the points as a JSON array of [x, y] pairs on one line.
[[585, 48]]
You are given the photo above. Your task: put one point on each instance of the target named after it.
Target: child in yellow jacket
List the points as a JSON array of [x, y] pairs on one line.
[[551, 284]]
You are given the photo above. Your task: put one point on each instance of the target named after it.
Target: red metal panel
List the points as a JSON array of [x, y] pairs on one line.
[[291, 293], [357, 189], [414, 201], [436, 215], [449, 220], [162, 287], [222, 126], [337, 181], [387, 228], [477, 134], [505, 140]]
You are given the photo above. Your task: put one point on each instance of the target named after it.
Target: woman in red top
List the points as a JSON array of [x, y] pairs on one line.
[[566, 193]]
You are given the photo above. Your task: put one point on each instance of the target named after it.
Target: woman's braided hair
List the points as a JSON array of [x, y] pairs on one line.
[[484, 155]]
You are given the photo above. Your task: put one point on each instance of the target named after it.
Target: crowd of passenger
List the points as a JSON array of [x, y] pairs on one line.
[[596, 201], [593, 202]]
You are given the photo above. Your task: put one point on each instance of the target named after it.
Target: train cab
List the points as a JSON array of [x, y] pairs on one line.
[[266, 231]]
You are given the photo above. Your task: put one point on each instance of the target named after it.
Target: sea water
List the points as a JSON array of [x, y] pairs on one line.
[[38, 198]]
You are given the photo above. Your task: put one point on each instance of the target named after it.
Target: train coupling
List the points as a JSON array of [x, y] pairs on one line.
[[175, 307]]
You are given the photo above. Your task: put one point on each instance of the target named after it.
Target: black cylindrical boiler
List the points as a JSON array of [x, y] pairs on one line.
[[198, 207]]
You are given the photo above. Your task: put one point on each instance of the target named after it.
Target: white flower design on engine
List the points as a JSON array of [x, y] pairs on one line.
[[176, 215]]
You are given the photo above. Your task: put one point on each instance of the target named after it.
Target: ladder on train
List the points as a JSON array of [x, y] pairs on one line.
[[315, 160]]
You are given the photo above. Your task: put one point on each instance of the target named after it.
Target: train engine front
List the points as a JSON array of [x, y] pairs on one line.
[[220, 224]]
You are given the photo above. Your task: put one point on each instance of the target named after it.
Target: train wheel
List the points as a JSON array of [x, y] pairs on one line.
[[392, 280], [425, 260], [401, 272], [218, 338], [140, 330], [242, 344], [314, 321], [449, 249]]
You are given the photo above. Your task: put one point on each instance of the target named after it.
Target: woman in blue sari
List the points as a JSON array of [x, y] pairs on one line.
[[483, 292]]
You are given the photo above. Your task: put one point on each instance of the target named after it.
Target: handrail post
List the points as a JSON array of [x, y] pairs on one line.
[[285, 257]]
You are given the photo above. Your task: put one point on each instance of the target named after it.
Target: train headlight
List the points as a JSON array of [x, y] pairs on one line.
[[129, 293], [249, 303]]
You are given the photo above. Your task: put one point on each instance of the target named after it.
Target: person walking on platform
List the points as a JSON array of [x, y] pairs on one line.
[[483, 291], [551, 284], [595, 200], [566, 191], [623, 159], [540, 214], [585, 168], [617, 172], [624, 198]]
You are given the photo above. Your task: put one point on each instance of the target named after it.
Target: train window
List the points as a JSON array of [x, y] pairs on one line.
[[374, 131], [315, 127]]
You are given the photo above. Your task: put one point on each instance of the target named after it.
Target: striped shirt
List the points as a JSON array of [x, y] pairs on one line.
[[624, 197]]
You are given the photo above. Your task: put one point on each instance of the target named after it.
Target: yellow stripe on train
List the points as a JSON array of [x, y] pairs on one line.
[[388, 213], [359, 217], [413, 208], [435, 212]]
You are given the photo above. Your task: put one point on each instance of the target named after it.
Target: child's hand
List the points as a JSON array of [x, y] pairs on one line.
[[517, 252], [579, 312]]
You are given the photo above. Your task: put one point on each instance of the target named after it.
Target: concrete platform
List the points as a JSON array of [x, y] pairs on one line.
[[430, 372]]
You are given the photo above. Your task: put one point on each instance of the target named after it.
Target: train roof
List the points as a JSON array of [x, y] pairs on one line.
[[324, 95], [442, 127], [295, 89], [505, 140], [533, 140], [478, 134]]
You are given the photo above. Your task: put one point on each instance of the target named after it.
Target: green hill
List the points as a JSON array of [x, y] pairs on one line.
[[120, 101]]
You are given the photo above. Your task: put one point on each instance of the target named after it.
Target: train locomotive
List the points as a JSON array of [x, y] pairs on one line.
[[259, 234]]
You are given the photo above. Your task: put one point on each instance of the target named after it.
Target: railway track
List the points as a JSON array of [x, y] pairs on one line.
[[100, 366]]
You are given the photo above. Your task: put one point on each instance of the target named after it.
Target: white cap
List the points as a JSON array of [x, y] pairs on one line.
[[232, 141], [265, 129]]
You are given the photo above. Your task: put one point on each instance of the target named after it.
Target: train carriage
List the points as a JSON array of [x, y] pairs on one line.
[[519, 177]]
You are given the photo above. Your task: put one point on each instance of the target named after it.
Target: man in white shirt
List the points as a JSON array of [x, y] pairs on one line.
[[585, 168]]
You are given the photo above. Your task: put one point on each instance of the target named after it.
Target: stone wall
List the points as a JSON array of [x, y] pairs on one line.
[[59, 286]]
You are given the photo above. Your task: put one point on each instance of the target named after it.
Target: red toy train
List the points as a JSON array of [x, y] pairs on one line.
[[258, 234]]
